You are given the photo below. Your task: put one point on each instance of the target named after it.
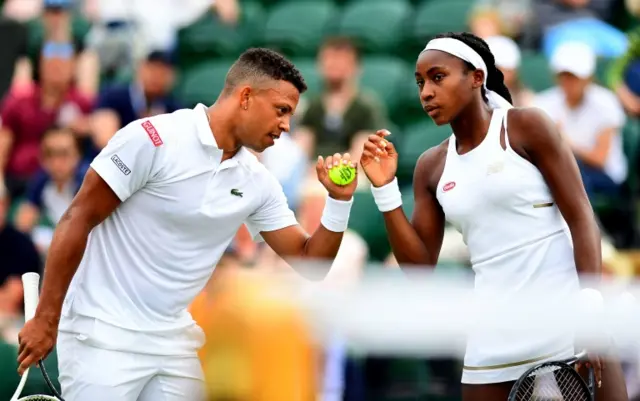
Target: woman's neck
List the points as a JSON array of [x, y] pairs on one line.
[[471, 125]]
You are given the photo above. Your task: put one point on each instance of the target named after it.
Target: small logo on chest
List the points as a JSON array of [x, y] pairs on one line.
[[236, 192], [448, 186]]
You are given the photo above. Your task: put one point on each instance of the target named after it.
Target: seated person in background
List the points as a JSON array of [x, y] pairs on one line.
[[50, 193], [508, 57], [499, 17], [627, 87], [343, 115], [26, 117], [589, 116], [201, 306], [258, 344], [13, 53], [288, 162], [18, 255], [623, 75], [148, 95]]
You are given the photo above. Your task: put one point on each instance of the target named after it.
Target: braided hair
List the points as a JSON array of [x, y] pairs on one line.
[[495, 79]]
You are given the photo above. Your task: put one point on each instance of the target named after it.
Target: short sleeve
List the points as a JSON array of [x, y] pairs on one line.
[[274, 212], [612, 112], [126, 163]]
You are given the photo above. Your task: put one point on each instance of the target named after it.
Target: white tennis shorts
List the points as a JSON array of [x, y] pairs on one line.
[[91, 373]]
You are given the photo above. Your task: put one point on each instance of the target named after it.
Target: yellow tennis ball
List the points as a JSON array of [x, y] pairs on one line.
[[342, 175]]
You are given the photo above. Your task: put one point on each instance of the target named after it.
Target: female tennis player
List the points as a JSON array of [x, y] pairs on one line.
[[508, 182]]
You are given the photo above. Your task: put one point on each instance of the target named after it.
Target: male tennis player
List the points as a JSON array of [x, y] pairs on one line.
[[155, 212]]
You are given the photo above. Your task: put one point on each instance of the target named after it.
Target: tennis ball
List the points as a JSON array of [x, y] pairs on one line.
[[342, 175]]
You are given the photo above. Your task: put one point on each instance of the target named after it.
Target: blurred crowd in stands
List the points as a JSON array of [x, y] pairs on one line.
[[72, 72]]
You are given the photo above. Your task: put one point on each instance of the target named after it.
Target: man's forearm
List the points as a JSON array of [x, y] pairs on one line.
[[326, 240], [64, 256], [323, 244]]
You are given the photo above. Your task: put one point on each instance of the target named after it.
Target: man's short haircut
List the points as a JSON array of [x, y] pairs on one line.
[[341, 43], [260, 64]]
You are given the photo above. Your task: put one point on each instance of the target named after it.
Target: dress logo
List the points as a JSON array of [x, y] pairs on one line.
[[448, 186]]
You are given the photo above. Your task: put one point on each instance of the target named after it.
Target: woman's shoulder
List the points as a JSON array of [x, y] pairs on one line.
[[526, 118], [430, 165], [434, 154], [530, 128]]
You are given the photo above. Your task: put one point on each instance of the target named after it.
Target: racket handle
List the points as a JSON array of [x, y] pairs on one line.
[[31, 284]]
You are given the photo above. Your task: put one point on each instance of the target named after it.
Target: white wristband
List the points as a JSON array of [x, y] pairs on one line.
[[335, 216], [387, 197]]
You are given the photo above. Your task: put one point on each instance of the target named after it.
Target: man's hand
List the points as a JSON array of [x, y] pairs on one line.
[[338, 192], [36, 340]]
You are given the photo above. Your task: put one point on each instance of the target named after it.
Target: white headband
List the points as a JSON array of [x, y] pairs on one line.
[[462, 51]]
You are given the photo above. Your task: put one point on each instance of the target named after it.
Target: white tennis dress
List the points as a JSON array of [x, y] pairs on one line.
[[517, 239]]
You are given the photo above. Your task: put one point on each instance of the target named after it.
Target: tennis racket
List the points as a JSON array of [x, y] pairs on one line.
[[31, 283], [555, 381]]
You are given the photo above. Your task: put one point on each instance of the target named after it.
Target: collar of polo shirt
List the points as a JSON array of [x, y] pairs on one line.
[[206, 135]]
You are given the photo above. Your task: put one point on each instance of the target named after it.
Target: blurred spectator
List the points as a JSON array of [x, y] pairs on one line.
[[13, 52], [499, 17], [342, 116], [287, 161], [633, 7], [50, 193], [507, 55], [22, 10], [258, 342], [56, 18], [154, 24], [200, 307], [147, 95], [623, 76], [589, 116], [345, 270], [26, 117], [560, 21], [628, 89], [552, 12], [19, 256]]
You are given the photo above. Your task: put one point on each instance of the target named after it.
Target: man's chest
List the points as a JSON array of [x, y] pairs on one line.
[[222, 199]]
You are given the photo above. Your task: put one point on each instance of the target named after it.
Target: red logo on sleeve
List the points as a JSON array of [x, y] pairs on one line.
[[152, 132]]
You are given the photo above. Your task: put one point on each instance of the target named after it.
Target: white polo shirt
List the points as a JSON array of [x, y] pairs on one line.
[[599, 110], [181, 208]]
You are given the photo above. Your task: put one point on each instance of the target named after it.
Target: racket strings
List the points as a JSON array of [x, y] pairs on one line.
[[552, 383]]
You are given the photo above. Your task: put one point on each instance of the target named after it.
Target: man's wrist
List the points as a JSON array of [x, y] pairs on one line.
[[335, 216], [341, 198], [48, 315]]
